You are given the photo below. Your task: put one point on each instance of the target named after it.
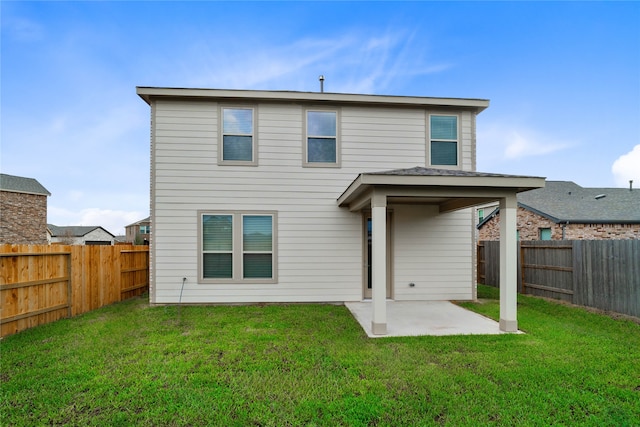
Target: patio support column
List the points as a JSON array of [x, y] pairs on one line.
[[379, 263], [508, 264]]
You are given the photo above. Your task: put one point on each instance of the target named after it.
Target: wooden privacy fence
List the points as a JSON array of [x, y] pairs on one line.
[[44, 283], [603, 274]]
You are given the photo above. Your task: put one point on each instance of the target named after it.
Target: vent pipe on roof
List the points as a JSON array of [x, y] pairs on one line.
[[321, 78], [630, 185]]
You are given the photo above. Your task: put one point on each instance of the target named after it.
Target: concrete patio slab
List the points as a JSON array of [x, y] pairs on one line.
[[415, 318]]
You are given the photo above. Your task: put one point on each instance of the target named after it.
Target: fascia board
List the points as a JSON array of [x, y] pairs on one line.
[[352, 191], [542, 214], [442, 186], [147, 93], [512, 183]]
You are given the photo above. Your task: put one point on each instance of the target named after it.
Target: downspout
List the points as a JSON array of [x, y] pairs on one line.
[[563, 227]]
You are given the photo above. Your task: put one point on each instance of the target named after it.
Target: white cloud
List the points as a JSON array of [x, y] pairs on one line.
[[113, 221], [352, 62], [497, 143], [524, 143], [627, 167]]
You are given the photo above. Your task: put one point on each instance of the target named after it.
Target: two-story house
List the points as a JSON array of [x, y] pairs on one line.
[[275, 196], [138, 232]]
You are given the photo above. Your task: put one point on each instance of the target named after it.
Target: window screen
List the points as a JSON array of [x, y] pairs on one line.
[[217, 245], [257, 246]]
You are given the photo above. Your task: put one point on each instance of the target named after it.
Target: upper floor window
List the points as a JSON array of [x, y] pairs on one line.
[[144, 229], [321, 145], [443, 140], [238, 136]]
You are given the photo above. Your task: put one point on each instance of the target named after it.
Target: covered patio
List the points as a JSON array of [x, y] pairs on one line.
[[449, 190]]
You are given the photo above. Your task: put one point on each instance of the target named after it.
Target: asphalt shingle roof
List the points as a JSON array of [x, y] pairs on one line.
[[19, 184], [72, 230], [422, 171], [147, 219], [563, 201]]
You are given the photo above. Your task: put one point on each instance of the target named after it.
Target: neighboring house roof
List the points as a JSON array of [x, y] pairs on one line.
[[566, 201], [73, 230], [147, 93], [19, 184], [142, 221]]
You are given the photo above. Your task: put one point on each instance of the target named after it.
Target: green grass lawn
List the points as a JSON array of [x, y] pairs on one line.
[[131, 364]]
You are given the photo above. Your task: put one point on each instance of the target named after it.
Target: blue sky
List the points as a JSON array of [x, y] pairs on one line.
[[563, 80]]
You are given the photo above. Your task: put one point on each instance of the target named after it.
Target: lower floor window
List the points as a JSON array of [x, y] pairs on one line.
[[237, 246]]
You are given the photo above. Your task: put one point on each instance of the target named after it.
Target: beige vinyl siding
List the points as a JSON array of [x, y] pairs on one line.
[[432, 251], [381, 139], [319, 245], [465, 145]]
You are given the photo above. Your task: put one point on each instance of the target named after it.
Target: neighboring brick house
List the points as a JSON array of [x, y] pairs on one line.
[[80, 235], [23, 210], [139, 232], [563, 210]]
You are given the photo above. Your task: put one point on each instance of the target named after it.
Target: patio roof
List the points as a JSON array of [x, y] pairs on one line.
[[449, 189]]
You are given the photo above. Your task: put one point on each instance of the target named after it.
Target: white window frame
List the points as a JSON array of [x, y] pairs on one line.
[[237, 251], [305, 142], [254, 136], [429, 162]]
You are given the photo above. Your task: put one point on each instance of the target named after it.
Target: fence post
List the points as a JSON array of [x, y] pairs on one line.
[[69, 287], [523, 289], [480, 263]]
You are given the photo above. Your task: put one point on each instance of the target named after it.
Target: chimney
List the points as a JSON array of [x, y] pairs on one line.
[[321, 78]]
